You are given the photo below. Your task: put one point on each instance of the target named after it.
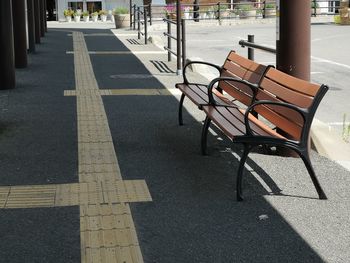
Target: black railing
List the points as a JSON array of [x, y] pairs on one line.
[[251, 46], [180, 39]]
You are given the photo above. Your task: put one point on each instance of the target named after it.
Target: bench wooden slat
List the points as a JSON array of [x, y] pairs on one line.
[[296, 84], [292, 115], [286, 94], [280, 121]]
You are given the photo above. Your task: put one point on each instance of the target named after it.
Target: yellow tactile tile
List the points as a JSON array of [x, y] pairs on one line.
[[119, 92]]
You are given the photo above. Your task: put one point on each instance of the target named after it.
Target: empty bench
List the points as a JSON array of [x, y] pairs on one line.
[[280, 114]]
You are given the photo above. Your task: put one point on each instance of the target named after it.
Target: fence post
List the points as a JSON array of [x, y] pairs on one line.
[[219, 13], [138, 23], [314, 8], [264, 9], [169, 39], [178, 36], [145, 24], [183, 40], [250, 50], [134, 16], [130, 11], [150, 14]]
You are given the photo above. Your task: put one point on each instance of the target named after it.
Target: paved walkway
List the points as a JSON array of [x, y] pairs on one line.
[[94, 168]]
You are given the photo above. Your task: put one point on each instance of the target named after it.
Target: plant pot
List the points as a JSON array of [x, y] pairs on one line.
[[112, 18], [77, 19], [68, 19], [103, 18], [86, 18], [94, 18], [122, 20]]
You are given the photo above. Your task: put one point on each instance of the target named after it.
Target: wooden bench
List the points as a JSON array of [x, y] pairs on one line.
[[280, 114], [244, 72]]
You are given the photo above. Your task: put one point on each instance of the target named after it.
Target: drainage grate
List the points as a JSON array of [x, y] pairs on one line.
[[161, 66], [133, 41]]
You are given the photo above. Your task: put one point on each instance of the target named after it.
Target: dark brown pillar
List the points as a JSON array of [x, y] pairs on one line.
[[45, 16], [19, 33], [293, 40], [31, 25], [42, 18], [7, 60], [37, 21]]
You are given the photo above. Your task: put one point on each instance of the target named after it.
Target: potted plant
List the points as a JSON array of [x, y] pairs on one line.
[[103, 15], [68, 14], [86, 16], [121, 17], [246, 11], [76, 17], [94, 16]]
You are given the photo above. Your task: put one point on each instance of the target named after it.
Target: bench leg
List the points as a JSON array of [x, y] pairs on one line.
[[180, 109], [205, 135], [305, 157], [247, 149]]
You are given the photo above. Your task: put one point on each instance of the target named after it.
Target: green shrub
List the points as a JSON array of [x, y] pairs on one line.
[[121, 11], [68, 12], [86, 13]]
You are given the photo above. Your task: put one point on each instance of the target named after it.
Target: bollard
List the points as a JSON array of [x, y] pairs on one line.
[[7, 57], [130, 11], [134, 16], [178, 36], [150, 14]]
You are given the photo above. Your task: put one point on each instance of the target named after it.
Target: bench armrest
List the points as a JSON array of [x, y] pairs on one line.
[[198, 62], [303, 112], [253, 87]]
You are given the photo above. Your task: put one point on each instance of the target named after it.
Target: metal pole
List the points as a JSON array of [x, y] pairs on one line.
[[7, 56], [130, 10], [138, 23], [150, 13], [219, 13], [178, 36], [264, 9], [37, 21], [251, 50], [145, 24], [134, 16], [293, 40], [183, 40], [195, 11], [19, 33], [42, 19], [169, 39], [31, 25]]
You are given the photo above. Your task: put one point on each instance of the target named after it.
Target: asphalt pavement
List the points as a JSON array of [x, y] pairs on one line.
[[194, 216]]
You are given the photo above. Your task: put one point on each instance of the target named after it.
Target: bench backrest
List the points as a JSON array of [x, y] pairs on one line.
[[281, 87], [239, 67]]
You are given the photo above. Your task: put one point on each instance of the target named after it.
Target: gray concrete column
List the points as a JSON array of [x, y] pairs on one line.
[[37, 18], [293, 40], [19, 33], [31, 25], [7, 57]]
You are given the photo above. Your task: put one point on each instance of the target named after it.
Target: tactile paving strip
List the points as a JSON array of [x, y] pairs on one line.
[[119, 92]]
